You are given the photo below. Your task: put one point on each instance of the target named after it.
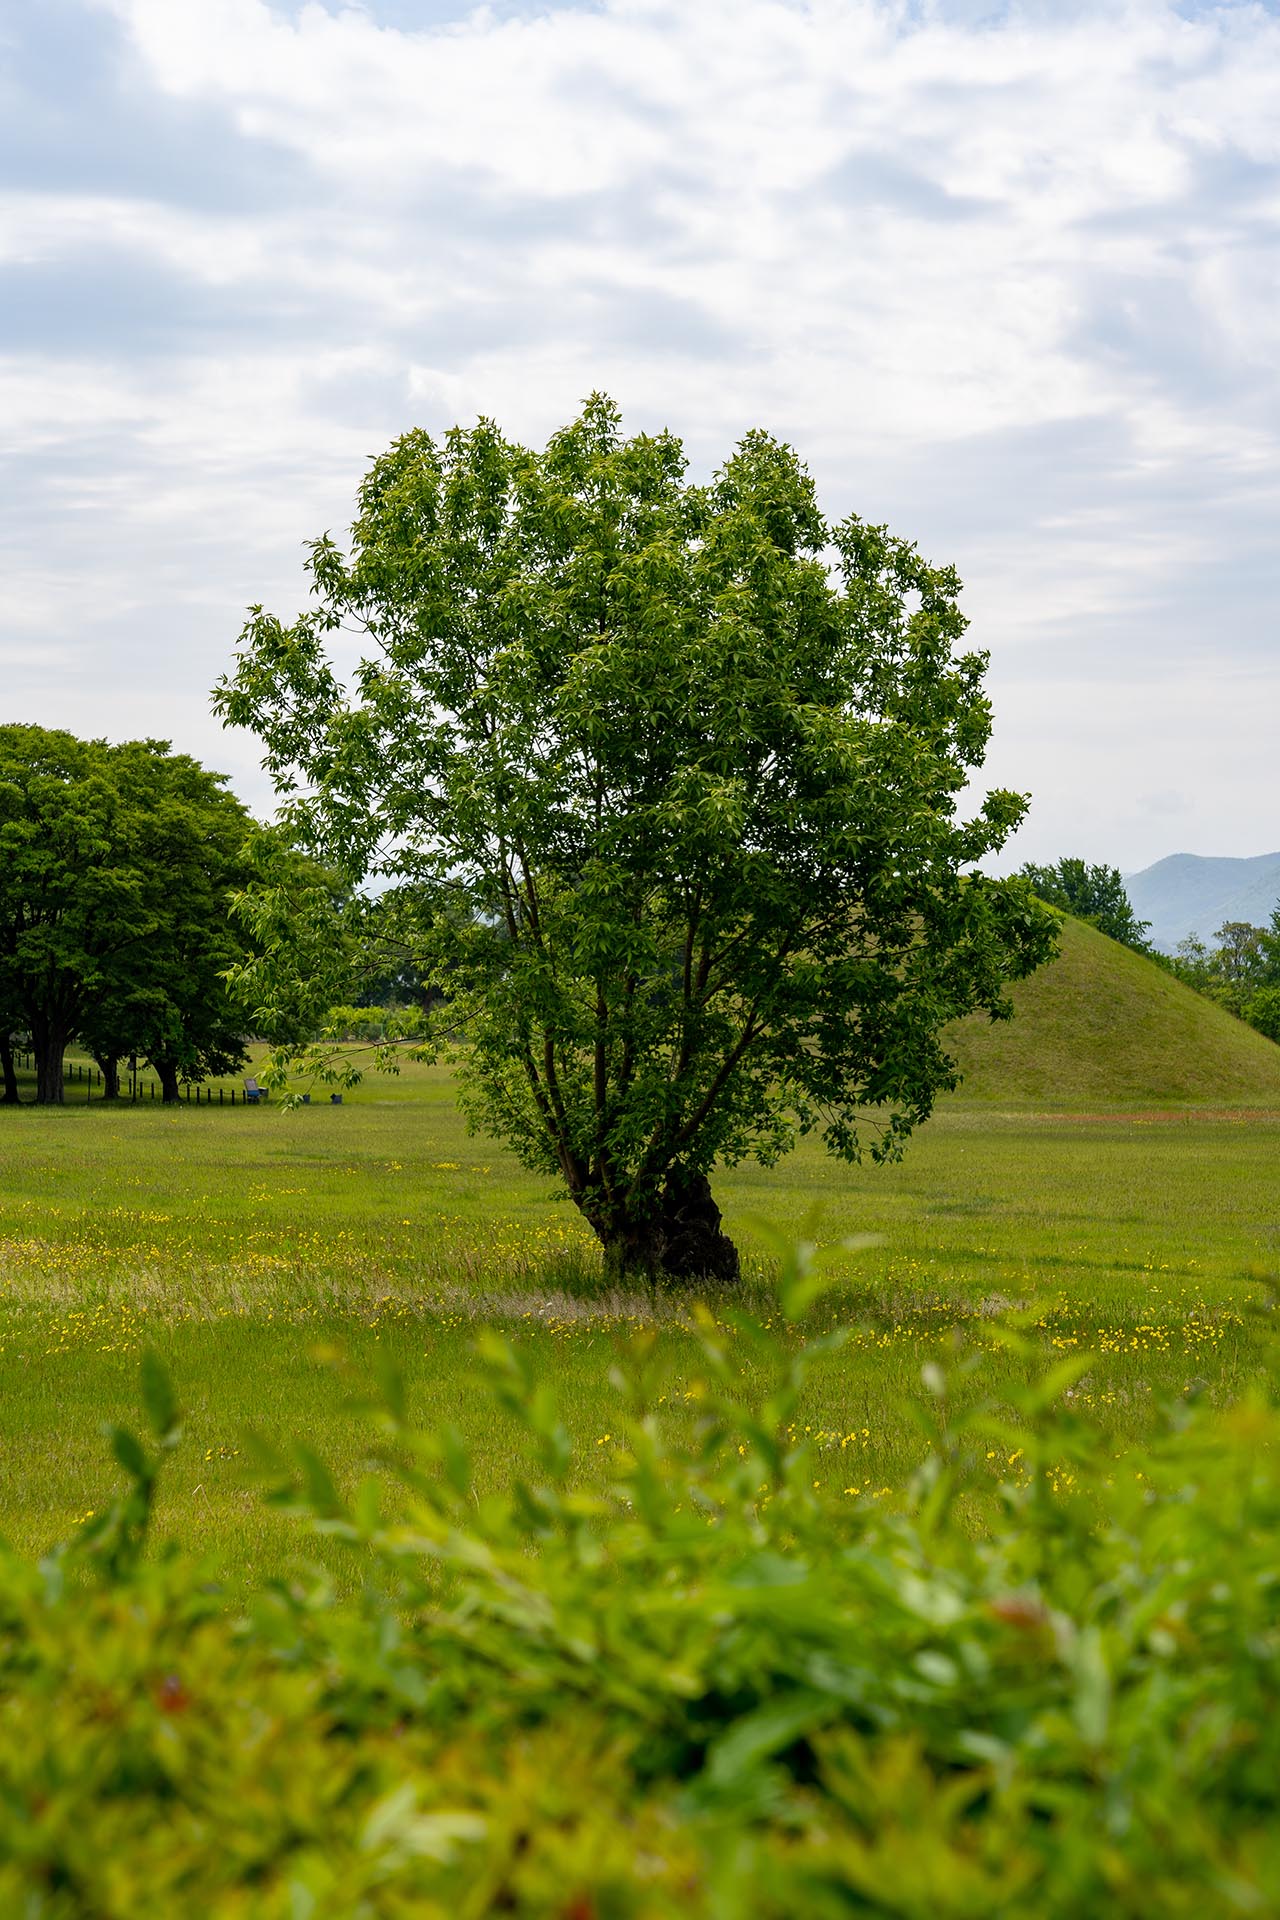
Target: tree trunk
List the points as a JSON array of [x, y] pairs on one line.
[[694, 1245], [683, 1240], [168, 1071], [48, 1043], [10, 1096], [109, 1067], [632, 1251]]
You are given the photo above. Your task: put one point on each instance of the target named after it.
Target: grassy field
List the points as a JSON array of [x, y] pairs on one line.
[[250, 1246]]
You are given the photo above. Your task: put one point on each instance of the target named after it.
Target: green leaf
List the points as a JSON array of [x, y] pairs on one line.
[[760, 1734], [131, 1454], [158, 1396], [367, 1506], [1092, 1702], [321, 1492], [455, 1458], [390, 1380]]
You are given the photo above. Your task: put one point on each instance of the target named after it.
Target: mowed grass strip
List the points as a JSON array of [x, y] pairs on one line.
[[251, 1246]]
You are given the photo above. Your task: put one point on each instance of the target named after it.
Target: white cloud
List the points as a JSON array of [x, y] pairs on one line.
[[1009, 283], [736, 118]]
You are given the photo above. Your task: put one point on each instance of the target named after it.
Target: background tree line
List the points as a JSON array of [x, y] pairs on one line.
[[118, 867], [1241, 971]]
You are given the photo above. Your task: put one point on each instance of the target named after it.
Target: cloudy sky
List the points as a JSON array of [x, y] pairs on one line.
[[1007, 275]]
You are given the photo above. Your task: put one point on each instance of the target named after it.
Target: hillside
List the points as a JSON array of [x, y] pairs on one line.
[[1188, 893], [1104, 1028]]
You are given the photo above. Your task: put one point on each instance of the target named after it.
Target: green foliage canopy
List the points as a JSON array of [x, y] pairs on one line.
[[117, 865], [1095, 894], [664, 780], [1241, 971]]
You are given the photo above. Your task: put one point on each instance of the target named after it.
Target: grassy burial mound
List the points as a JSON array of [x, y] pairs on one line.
[[1103, 1027]]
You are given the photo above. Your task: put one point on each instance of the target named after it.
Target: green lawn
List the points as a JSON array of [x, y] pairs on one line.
[[249, 1245]]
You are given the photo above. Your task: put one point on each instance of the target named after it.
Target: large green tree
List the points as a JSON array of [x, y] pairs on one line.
[[71, 897], [117, 864], [202, 841], [666, 779]]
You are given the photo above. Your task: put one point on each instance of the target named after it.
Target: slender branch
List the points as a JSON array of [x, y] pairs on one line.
[[569, 1165], [600, 1089], [626, 1067], [508, 894], [552, 1078], [750, 1032]]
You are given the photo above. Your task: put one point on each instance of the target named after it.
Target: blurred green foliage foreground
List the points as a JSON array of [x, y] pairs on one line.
[[703, 1688]]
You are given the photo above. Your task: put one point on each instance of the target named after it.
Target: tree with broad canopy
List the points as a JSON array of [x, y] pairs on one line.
[[117, 866], [661, 782], [1095, 894]]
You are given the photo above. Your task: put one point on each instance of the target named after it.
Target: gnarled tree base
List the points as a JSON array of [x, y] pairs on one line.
[[683, 1241], [694, 1245]]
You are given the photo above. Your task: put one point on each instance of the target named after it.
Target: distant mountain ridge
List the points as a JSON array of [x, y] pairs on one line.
[[1193, 893]]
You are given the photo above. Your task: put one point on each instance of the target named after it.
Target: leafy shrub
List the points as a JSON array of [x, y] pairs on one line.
[[702, 1688]]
